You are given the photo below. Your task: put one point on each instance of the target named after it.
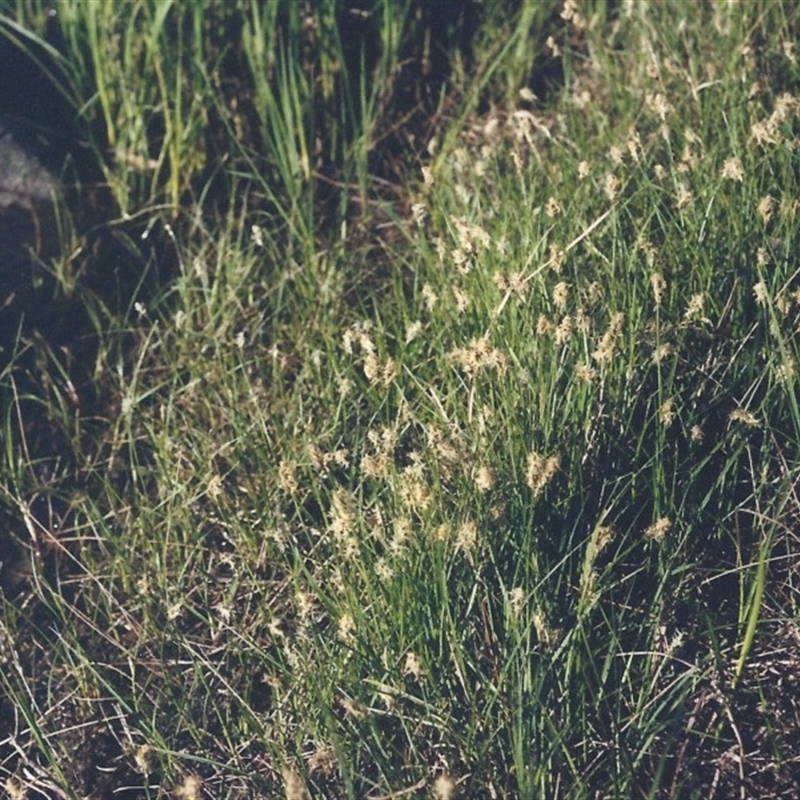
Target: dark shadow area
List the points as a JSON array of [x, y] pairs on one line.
[[70, 275]]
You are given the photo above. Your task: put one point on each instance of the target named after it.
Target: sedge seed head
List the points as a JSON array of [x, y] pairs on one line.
[[444, 788], [659, 286], [766, 206], [658, 530], [540, 470], [732, 169], [190, 789]]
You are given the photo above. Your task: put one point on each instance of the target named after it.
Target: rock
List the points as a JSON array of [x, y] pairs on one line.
[[28, 192]]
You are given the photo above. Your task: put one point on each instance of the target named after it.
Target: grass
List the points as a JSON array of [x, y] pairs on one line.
[[457, 458]]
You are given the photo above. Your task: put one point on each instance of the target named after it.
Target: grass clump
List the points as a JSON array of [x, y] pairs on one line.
[[482, 487]]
